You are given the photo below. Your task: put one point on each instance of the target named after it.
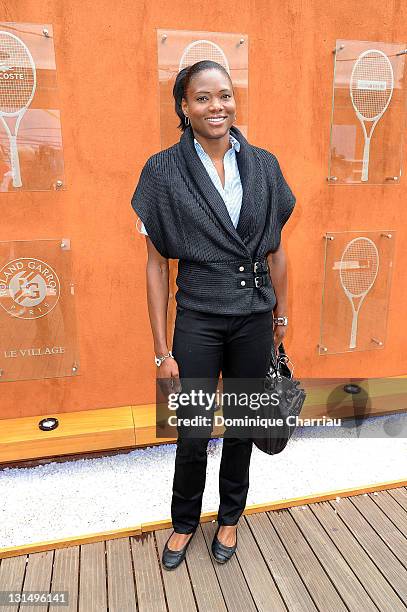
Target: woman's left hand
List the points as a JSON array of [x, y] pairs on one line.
[[279, 333]]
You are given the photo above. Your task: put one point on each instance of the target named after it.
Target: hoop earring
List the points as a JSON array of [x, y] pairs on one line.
[[187, 122]]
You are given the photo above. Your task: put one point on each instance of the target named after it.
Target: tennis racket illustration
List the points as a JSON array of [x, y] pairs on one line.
[[371, 88], [358, 270], [203, 50], [17, 87]]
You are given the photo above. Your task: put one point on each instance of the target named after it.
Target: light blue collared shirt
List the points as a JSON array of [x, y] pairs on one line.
[[233, 191]]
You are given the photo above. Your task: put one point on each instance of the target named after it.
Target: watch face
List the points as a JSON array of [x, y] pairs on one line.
[[157, 361]]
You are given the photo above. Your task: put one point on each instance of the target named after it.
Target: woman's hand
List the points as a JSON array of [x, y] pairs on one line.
[[279, 333], [168, 376]]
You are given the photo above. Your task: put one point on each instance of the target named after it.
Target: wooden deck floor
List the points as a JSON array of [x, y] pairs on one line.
[[327, 556]]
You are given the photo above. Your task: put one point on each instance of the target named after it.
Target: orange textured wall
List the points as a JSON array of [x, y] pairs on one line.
[[106, 60]]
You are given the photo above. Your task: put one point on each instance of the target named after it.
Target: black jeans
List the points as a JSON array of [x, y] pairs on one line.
[[205, 344]]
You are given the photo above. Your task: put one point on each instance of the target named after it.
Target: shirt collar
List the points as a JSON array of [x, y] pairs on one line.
[[233, 141]]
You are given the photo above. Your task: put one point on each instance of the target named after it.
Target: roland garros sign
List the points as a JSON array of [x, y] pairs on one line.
[[29, 288]]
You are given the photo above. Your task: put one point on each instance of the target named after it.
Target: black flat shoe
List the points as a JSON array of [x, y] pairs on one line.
[[172, 558], [220, 552]]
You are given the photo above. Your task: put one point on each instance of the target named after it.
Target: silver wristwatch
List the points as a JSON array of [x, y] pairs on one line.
[[160, 359], [280, 320]]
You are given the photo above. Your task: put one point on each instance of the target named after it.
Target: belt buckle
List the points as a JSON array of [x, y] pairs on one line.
[[258, 281]]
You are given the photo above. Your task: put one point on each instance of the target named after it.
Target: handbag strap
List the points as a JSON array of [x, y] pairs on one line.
[[276, 362]]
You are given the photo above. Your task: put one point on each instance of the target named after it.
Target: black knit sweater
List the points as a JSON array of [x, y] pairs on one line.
[[187, 219]]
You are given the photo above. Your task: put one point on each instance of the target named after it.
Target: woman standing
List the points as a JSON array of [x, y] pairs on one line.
[[217, 204]]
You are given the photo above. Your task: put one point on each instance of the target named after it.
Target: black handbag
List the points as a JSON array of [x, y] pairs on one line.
[[279, 380]]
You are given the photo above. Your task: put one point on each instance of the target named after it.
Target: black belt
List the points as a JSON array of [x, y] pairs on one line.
[[260, 278]]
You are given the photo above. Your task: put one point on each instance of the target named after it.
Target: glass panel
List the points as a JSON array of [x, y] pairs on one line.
[[179, 48], [37, 310], [368, 112], [31, 156], [357, 281]]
